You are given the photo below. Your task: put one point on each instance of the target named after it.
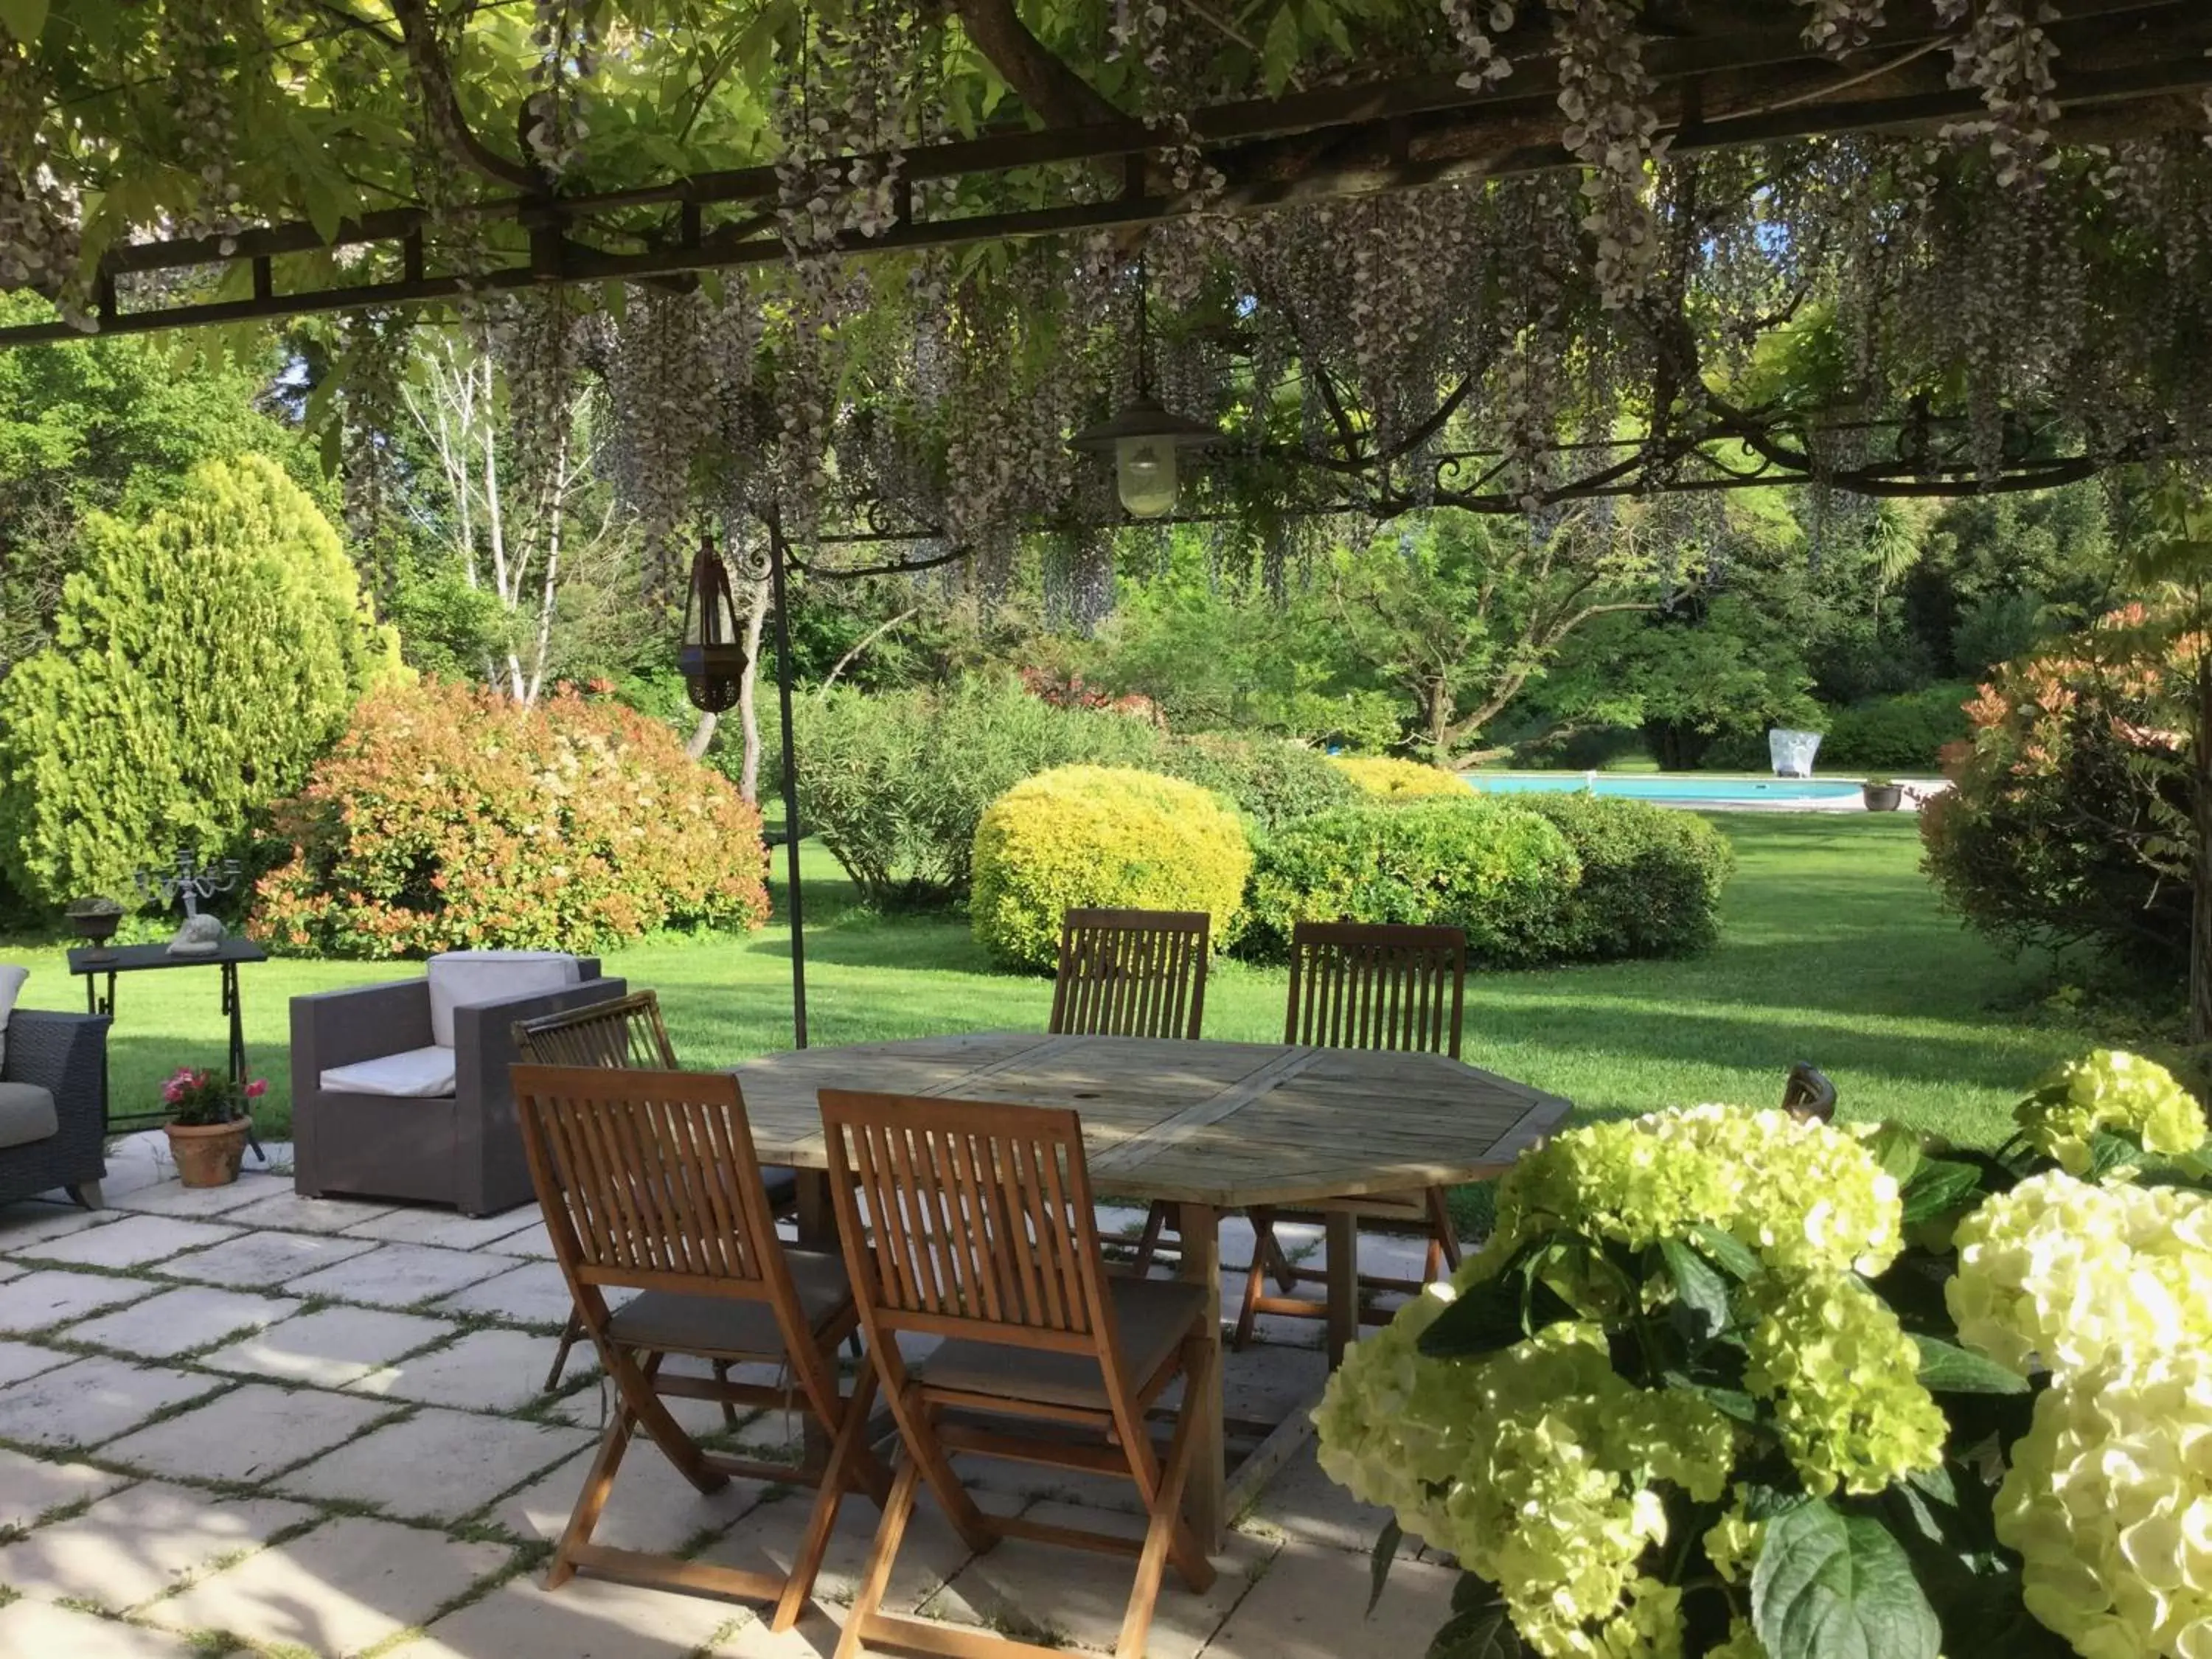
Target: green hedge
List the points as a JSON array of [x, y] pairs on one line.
[[1272, 781], [1652, 877], [1083, 835], [1504, 874], [1896, 734]]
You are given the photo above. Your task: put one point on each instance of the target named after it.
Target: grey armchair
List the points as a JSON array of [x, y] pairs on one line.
[[53, 1095], [461, 1146]]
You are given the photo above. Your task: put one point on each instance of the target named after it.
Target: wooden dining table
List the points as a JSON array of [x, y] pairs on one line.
[[1209, 1127]]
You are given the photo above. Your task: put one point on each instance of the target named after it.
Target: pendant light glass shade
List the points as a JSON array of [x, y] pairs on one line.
[[1145, 475]]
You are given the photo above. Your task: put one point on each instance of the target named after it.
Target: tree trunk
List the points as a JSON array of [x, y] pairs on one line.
[[702, 735], [2200, 914], [748, 707]]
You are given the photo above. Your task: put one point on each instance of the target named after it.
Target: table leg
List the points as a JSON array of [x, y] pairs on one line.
[[1203, 1503], [1341, 1234], [232, 1008], [815, 1215]]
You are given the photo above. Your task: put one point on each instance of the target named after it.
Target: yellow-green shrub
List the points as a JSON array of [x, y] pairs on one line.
[[1101, 835], [1397, 780]]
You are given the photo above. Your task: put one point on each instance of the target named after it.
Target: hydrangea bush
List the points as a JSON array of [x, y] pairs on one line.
[[1724, 1382]]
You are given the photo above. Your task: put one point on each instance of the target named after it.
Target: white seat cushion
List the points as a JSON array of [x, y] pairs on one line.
[[461, 977], [26, 1113], [11, 985], [420, 1073]]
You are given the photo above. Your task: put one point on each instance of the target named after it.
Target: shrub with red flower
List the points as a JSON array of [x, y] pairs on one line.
[[449, 817], [2067, 822], [199, 1096], [1071, 690]]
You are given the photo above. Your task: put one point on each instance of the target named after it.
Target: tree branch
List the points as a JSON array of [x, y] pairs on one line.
[[1054, 93], [418, 34]]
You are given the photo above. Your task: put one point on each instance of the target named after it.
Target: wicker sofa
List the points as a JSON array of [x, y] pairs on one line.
[[53, 1095], [454, 1140]]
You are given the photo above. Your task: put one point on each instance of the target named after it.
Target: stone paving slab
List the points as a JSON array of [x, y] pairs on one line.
[[93, 1400], [446, 1229], [11, 1270], [287, 1210], [181, 1320], [38, 1630], [585, 1618], [176, 1198], [399, 1275], [531, 1240], [531, 1294], [437, 1465], [19, 1360], [1080, 1596], [651, 1508], [132, 1241], [247, 1435], [329, 1348], [52, 1296], [1304, 1505], [140, 1543], [344, 1587], [483, 1372], [30, 1487], [35, 1221], [1311, 1604], [930, 1553], [262, 1261]]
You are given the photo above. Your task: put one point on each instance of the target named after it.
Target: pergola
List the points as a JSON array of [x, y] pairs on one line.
[[1500, 256]]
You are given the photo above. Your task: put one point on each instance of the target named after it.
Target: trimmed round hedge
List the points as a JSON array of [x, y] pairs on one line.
[[1272, 781], [1652, 877], [1505, 875], [1397, 780], [1111, 837]]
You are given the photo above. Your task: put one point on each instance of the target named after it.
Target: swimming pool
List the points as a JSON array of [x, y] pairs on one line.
[[1673, 787]]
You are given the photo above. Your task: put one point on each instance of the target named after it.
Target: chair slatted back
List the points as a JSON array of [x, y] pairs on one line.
[[649, 1180], [1357, 985], [1132, 973], [626, 1033], [979, 1218]]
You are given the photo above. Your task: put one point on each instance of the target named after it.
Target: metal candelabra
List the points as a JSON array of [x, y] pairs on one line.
[[192, 882]]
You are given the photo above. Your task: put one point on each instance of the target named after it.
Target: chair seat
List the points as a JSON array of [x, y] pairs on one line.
[[414, 1074], [1154, 1315], [679, 1322], [26, 1113]]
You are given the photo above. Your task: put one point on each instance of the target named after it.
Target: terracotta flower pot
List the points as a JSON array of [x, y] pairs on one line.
[[208, 1154]]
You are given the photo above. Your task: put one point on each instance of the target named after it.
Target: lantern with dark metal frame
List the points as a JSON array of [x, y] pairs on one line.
[[1144, 437], [711, 650]]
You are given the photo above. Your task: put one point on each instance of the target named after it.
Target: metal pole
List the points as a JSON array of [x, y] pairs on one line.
[[790, 782]]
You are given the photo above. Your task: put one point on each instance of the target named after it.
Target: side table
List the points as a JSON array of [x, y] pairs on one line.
[[92, 961]]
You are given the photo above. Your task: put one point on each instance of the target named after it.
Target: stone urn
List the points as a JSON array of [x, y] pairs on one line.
[[1881, 795], [208, 1154]]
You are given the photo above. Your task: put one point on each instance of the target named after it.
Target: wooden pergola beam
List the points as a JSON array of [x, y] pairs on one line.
[[2119, 59]]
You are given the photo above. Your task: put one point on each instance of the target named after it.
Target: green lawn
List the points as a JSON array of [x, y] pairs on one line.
[[1832, 951]]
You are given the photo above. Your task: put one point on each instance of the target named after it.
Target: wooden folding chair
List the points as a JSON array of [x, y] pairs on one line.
[[979, 1229], [649, 1182], [626, 1033], [1134, 973], [1357, 985]]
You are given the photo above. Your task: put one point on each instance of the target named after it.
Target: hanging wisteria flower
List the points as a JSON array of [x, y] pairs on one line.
[[2112, 1090], [2064, 1275], [2109, 1503], [1806, 1196], [1844, 1378]]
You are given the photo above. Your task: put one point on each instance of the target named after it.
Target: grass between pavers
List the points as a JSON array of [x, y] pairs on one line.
[[1833, 949]]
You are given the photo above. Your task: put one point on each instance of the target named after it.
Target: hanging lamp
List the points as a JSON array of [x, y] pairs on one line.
[[711, 650], [1144, 437]]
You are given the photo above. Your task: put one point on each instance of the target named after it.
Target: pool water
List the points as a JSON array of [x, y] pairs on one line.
[[1666, 786]]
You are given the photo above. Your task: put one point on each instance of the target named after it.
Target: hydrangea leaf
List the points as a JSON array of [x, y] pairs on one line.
[[1947, 1368], [1830, 1585], [1734, 1256], [1938, 1185], [1378, 1565], [1488, 1634], [1701, 1295]]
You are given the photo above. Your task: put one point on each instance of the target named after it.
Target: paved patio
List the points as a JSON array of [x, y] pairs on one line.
[[238, 1422]]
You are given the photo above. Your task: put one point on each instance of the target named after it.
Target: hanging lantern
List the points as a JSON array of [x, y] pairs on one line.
[[711, 650], [1144, 437]]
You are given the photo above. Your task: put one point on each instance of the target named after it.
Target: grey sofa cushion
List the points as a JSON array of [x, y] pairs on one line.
[[26, 1113]]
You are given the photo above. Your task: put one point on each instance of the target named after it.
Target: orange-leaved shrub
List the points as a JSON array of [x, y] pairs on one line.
[[449, 817]]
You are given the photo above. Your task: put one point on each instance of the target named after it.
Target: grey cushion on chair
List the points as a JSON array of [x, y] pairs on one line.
[[1155, 1317], [26, 1113], [712, 1324]]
